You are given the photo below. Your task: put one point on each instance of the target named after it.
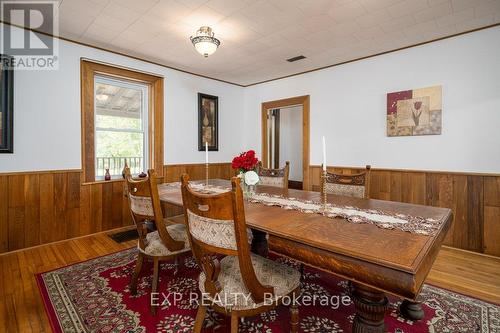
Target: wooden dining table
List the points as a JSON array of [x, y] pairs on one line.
[[375, 260]]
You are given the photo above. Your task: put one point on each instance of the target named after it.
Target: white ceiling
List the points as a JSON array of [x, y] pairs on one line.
[[258, 35]]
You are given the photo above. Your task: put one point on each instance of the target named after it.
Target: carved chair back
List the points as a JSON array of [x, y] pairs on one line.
[[216, 225], [144, 201], [274, 177], [354, 185]]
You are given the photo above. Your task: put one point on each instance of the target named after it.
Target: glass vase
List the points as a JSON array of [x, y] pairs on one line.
[[247, 189]]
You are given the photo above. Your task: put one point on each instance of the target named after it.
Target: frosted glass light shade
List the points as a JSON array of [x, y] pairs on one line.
[[205, 48]]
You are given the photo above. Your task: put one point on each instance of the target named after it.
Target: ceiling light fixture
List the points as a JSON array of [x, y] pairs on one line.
[[204, 42]]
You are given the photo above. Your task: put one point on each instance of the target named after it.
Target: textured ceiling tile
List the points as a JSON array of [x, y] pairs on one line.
[[452, 19], [368, 33], [170, 10], [347, 12], [487, 8], [121, 12], [373, 18], [420, 28], [374, 5], [202, 16], [407, 7], [317, 23], [193, 4], [226, 7], [312, 8], [137, 6], [100, 34], [83, 7], [476, 23], [106, 21], [398, 23], [257, 36], [459, 5], [433, 12]]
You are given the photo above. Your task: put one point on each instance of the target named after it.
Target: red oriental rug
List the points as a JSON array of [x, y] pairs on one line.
[[93, 296]]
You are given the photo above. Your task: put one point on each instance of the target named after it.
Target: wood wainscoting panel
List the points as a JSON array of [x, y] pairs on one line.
[[4, 214], [43, 207], [173, 172], [474, 199], [492, 215]]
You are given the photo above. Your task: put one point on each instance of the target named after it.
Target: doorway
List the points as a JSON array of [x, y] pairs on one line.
[[285, 137]]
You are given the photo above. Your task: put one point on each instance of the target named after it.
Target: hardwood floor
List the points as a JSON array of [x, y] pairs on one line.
[[22, 310], [468, 273]]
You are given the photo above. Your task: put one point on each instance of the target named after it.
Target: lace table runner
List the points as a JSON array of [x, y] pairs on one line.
[[382, 219]]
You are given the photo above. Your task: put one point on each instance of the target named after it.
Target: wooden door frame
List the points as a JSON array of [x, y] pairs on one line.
[[280, 104]]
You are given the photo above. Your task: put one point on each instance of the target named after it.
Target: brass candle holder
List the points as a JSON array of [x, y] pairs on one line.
[[323, 189], [206, 174]]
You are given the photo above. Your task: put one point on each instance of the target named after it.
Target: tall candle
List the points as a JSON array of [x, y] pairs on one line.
[[206, 152], [324, 154]]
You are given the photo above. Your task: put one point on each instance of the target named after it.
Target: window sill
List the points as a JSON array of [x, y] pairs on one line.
[[159, 180], [102, 181]]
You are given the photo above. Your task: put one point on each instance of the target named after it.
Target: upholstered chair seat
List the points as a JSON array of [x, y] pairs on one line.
[[155, 247], [283, 278]]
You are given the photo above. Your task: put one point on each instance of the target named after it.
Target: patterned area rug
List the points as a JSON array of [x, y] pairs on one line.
[[93, 296]]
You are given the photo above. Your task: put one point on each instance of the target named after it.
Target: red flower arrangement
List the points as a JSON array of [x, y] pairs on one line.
[[246, 161]]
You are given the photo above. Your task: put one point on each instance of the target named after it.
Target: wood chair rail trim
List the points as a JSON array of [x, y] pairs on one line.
[[466, 173]]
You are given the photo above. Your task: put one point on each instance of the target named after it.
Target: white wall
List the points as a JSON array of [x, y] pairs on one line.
[[348, 106], [47, 113], [291, 140]]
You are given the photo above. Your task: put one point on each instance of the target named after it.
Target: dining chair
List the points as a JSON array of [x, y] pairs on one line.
[[274, 177], [240, 284], [354, 185], [166, 243]]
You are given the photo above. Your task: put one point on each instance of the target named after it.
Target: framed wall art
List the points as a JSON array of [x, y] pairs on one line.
[[208, 122], [414, 112], [6, 105]]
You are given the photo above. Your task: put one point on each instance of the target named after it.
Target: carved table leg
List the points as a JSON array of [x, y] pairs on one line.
[[411, 310], [259, 243], [371, 306]]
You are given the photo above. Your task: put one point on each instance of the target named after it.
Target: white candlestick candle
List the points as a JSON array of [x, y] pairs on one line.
[[324, 154], [206, 152]]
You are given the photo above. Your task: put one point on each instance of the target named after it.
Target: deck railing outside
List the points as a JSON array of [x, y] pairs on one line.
[[116, 164]]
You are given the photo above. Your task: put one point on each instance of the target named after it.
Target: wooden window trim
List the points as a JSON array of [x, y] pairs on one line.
[[88, 70]]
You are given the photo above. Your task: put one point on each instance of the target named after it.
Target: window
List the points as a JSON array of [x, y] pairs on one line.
[[122, 120]]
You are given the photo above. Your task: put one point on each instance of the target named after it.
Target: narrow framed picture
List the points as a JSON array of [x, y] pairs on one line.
[[208, 122], [6, 105]]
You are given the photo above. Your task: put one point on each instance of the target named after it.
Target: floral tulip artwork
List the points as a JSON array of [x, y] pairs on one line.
[[415, 112]]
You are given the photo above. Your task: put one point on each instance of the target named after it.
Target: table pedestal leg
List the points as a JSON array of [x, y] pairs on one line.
[[371, 306], [259, 243], [411, 310]]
